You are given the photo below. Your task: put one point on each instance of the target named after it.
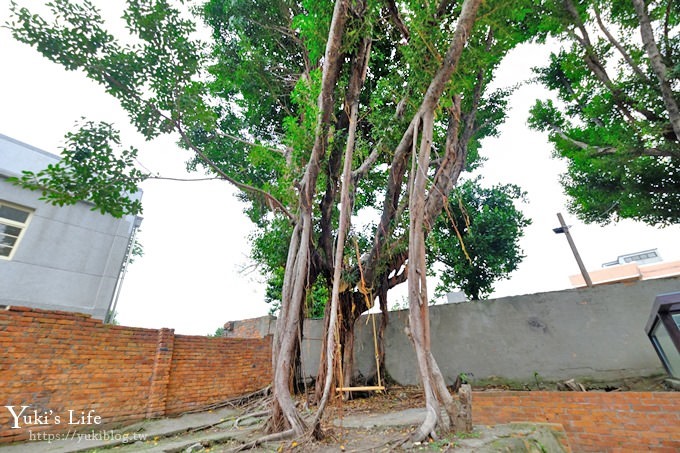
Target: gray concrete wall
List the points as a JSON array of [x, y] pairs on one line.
[[250, 328], [69, 258], [364, 352], [595, 333]]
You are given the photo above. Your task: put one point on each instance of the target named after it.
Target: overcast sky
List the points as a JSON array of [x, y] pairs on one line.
[[195, 235]]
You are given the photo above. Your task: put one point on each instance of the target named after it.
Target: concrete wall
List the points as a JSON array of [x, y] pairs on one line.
[[596, 333], [250, 328], [70, 257]]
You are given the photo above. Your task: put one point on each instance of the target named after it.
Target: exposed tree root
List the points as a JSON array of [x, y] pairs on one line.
[[258, 397], [259, 414], [288, 434]]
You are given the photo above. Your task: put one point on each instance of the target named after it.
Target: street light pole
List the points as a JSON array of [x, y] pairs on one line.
[[565, 229]]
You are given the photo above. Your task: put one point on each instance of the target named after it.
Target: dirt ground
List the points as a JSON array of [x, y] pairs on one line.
[[378, 422], [340, 421]]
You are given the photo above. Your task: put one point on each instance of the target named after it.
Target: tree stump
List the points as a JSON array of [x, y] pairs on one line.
[[463, 422]]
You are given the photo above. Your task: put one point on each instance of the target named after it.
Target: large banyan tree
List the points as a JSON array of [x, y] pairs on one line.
[[345, 125]]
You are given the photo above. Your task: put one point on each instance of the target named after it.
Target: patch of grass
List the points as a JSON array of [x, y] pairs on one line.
[[496, 382], [472, 435], [651, 383], [441, 444]]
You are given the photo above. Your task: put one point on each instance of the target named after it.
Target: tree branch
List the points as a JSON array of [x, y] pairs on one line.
[[441, 8], [272, 202], [666, 27], [456, 148], [165, 178], [571, 9], [658, 66], [399, 278], [593, 62], [359, 65], [251, 144], [366, 164], [401, 152], [396, 19], [626, 56], [606, 150]]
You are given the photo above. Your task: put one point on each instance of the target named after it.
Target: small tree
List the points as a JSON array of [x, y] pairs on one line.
[[219, 332], [477, 240]]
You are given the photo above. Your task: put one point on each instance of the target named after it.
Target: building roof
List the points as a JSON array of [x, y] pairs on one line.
[[17, 156], [628, 272]]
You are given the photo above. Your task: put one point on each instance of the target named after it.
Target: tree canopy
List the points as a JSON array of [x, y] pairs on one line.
[[246, 104], [616, 119]]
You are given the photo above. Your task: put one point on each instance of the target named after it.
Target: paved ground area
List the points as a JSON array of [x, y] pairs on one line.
[[148, 433]]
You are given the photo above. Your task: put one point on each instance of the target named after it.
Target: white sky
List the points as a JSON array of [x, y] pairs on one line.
[[194, 233]]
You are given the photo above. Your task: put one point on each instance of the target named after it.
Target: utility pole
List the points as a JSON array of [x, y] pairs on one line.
[[565, 229]]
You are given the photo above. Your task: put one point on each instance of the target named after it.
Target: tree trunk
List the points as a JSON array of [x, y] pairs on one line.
[[347, 352], [658, 66], [344, 223], [384, 319], [287, 327], [341, 299], [351, 306], [295, 281], [321, 371], [417, 279], [419, 324]]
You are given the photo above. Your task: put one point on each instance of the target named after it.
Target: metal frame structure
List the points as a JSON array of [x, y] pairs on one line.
[[664, 308]]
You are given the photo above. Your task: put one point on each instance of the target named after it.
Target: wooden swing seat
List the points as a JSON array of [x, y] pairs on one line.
[[366, 388], [371, 316]]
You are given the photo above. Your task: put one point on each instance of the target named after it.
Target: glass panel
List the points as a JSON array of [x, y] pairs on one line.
[[676, 318], [4, 251], [9, 230], [13, 214], [9, 241], [671, 356]]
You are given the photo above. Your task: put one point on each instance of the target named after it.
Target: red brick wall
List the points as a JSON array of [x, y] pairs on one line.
[[59, 361], [203, 372], [594, 421]]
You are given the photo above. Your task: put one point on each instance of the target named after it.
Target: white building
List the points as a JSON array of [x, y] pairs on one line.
[[643, 265], [67, 258]]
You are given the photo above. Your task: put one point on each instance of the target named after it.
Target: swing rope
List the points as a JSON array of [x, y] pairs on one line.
[[365, 291], [380, 387]]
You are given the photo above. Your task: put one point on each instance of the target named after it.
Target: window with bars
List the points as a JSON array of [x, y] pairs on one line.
[[13, 222]]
